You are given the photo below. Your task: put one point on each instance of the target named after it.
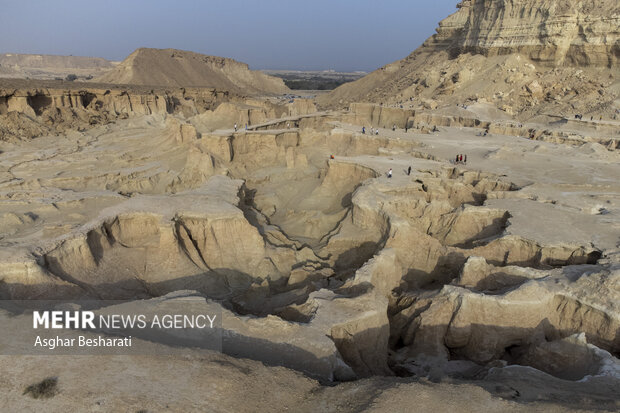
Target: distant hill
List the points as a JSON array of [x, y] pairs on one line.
[[171, 67], [40, 66]]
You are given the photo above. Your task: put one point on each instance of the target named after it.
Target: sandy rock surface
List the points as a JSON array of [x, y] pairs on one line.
[[356, 262]]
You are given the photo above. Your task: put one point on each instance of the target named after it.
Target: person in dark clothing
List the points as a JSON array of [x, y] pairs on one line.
[[465, 159], [457, 158], [460, 158], [409, 171]]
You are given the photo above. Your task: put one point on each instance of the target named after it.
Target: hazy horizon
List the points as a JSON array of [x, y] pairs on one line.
[[342, 35]]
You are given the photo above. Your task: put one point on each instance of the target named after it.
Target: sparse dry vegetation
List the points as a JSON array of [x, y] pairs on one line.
[[45, 389]]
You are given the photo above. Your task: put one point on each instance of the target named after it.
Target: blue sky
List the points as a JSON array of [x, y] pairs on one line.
[[267, 34]]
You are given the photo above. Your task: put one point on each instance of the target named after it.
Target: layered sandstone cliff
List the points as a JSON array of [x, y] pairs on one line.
[[552, 32], [30, 109], [526, 57]]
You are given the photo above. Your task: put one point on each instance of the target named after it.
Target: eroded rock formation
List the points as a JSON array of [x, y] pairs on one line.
[[376, 276], [552, 32], [499, 272]]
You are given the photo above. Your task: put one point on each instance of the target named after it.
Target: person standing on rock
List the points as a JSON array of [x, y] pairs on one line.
[[363, 130], [235, 127], [457, 159], [389, 174], [409, 171], [465, 159], [393, 128]]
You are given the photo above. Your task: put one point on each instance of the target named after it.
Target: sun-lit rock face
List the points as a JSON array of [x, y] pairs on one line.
[[525, 57], [552, 32]]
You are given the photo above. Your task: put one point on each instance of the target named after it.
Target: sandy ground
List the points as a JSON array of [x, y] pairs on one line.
[[573, 192], [215, 383]]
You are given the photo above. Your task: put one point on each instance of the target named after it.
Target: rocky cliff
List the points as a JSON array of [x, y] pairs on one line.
[[170, 67], [527, 57], [30, 109], [551, 32]]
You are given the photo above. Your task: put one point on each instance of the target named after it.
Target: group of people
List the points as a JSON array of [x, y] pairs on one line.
[[376, 131], [460, 158], [372, 130], [394, 128], [580, 116], [389, 173]]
